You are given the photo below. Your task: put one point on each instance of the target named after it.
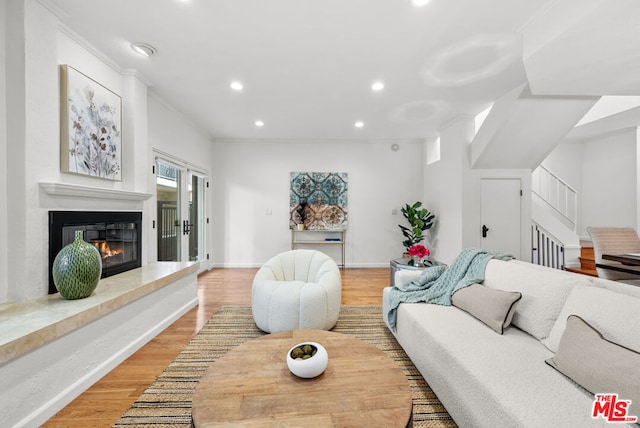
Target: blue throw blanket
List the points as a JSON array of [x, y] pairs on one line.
[[438, 283]]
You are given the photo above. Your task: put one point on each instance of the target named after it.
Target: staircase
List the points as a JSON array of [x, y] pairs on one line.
[[587, 260], [554, 211], [554, 240]]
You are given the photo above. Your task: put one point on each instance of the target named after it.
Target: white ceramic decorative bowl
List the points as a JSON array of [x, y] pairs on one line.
[[311, 366]]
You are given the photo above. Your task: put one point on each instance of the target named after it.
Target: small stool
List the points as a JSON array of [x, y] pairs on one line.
[[297, 289]]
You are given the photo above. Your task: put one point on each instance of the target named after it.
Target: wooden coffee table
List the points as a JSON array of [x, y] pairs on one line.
[[251, 385]]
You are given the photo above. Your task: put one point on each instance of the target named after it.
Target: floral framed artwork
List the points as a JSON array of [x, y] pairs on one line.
[[90, 127], [318, 200]]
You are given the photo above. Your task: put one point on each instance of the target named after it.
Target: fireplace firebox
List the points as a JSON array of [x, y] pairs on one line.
[[116, 234]]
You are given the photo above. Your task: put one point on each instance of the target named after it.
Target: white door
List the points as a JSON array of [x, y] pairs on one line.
[[181, 212], [500, 220], [170, 197], [195, 227]]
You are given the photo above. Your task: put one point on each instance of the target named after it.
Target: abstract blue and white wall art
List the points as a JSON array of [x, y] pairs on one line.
[[322, 197]]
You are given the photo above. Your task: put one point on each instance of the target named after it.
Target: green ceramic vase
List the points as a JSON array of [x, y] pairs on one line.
[[77, 269]]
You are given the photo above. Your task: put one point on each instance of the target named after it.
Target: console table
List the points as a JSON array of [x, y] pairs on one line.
[[319, 237]]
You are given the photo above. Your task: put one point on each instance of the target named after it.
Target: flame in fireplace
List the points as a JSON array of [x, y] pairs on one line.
[[105, 250]]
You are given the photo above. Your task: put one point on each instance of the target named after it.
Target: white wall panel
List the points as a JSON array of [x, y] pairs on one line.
[[251, 177], [609, 182]]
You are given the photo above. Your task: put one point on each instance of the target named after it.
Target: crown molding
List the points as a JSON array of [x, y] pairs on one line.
[[52, 7], [323, 140], [89, 47], [135, 73], [101, 56]]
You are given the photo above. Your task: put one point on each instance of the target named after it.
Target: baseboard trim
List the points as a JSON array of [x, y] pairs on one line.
[[257, 265]]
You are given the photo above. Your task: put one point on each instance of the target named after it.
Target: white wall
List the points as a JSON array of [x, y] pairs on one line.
[[250, 177], [565, 161], [3, 156], [29, 69], [636, 132], [444, 186], [171, 133], [609, 182], [452, 189], [603, 171], [34, 133]]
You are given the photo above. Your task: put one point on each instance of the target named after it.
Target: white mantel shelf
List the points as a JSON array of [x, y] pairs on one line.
[[79, 191]]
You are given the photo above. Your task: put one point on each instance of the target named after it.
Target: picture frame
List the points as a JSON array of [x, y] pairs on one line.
[[318, 200], [90, 127]]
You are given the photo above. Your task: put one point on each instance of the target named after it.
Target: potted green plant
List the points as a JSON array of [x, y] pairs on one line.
[[420, 219]]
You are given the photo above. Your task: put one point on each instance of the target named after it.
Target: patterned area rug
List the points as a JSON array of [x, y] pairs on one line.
[[167, 402]]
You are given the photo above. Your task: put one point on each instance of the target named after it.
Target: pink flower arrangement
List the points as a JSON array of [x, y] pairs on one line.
[[419, 250]]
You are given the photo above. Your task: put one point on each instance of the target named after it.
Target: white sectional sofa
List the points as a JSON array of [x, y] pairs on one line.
[[487, 379]]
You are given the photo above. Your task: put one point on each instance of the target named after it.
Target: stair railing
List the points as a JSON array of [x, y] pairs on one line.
[[557, 194], [546, 250]]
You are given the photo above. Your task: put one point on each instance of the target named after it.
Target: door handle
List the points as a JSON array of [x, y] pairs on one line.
[[485, 229], [186, 227]]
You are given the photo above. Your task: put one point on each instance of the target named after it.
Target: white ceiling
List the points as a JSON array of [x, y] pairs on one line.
[[307, 66]]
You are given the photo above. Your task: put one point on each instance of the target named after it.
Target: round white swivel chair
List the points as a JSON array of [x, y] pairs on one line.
[[297, 289]]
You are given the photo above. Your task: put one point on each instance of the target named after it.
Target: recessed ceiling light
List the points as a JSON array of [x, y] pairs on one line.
[[236, 86], [259, 123], [377, 86], [143, 49], [359, 124], [420, 3]]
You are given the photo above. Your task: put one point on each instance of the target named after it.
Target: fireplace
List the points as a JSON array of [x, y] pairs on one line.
[[116, 234]]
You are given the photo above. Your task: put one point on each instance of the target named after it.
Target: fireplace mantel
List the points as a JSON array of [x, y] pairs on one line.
[[76, 190]]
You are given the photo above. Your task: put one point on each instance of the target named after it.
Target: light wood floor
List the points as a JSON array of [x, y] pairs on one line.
[[103, 403]]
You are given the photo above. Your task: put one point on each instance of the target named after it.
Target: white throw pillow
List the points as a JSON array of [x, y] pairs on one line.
[[403, 277], [618, 287], [544, 291], [598, 364], [615, 315], [493, 307]]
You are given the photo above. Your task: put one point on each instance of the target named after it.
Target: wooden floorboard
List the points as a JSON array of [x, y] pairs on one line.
[[103, 403]]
